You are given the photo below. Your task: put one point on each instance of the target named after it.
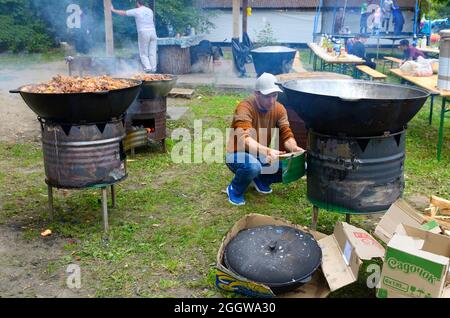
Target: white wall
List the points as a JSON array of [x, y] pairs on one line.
[[293, 26], [288, 26]]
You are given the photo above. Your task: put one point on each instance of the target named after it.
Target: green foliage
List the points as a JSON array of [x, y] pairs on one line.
[[181, 14], [439, 9], [266, 36], [19, 30], [35, 25]]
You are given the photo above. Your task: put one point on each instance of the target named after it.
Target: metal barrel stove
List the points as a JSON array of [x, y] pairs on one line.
[[81, 156], [356, 143], [147, 117], [355, 175], [82, 138]]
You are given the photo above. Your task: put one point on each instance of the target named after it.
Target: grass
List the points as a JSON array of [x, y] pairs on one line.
[[170, 218]]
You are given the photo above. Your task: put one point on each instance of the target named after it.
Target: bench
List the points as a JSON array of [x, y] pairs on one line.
[[373, 74], [392, 60]]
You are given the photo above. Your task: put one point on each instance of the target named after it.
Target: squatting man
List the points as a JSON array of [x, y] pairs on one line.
[[249, 156]]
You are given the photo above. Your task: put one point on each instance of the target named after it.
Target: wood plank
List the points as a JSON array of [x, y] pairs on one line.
[[297, 65], [428, 82], [442, 204], [371, 72], [109, 35], [236, 14], [181, 92], [429, 50], [393, 59]]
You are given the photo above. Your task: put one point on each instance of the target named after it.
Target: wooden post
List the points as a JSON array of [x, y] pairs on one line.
[[244, 16], [109, 38], [151, 5], [236, 13]]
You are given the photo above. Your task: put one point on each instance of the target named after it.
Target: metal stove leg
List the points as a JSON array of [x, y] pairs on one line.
[[132, 152], [105, 209], [113, 196], [347, 218], [163, 144], [50, 201], [315, 217]]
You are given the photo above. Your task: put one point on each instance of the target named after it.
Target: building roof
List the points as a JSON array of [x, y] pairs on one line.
[[292, 4]]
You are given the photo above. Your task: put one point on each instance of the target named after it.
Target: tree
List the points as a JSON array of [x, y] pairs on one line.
[[20, 29], [439, 8]]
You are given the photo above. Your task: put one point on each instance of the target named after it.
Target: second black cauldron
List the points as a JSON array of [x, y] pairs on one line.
[[273, 59]]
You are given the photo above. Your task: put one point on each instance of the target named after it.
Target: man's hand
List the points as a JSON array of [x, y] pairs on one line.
[[297, 149], [273, 155], [291, 145]]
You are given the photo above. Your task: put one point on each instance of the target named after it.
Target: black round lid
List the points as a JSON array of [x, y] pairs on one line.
[[273, 255]]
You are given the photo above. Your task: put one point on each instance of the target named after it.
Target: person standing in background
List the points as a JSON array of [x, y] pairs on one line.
[[376, 21], [387, 12], [398, 20], [363, 21], [147, 39], [358, 48], [339, 21]]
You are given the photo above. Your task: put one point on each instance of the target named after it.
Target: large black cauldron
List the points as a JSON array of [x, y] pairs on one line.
[[352, 107], [273, 59], [77, 108], [280, 257], [157, 88]]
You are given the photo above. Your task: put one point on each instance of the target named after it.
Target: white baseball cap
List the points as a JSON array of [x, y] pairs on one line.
[[265, 84]]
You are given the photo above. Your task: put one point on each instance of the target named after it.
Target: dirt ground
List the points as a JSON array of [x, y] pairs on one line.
[[29, 269], [18, 122]]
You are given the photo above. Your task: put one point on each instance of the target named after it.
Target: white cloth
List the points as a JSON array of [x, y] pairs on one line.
[[143, 17], [147, 49]]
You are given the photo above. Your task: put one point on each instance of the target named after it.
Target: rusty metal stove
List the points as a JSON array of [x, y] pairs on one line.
[[146, 121], [82, 138], [146, 118], [80, 156]]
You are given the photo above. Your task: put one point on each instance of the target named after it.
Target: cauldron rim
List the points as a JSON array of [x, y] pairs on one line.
[[426, 94], [286, 49], [135, 83]]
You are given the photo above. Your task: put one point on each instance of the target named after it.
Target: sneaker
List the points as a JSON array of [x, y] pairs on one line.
[[233, 198], [261, 187], [148, 71]]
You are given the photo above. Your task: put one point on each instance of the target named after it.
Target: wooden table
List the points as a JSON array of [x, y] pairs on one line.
[[432, 50], [326, 58], [430, 84]]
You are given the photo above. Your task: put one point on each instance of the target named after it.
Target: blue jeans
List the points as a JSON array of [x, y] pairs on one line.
[[247, 167]]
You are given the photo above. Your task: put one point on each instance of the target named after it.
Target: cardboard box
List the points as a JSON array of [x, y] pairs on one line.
[[416, 265], [401, 212], [342, 255]]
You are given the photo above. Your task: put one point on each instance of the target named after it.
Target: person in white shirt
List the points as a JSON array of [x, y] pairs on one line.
[[146, 33]]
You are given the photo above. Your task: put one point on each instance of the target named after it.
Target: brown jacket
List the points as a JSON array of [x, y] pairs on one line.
[[248, 121]]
